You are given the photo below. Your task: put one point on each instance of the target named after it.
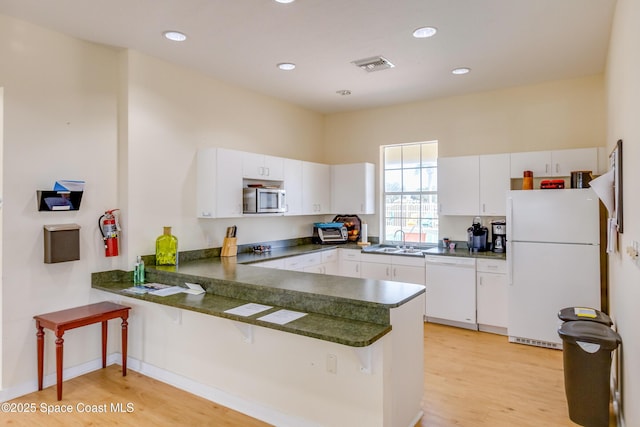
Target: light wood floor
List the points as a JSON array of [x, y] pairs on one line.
[[471, 379]]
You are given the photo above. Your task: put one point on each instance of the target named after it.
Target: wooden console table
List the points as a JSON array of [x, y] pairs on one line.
[[61, 321]]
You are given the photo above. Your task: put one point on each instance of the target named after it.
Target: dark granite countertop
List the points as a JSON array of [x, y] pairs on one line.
[[345, 310]]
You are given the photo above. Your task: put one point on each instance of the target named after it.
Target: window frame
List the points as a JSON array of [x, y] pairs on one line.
[[428, 236]]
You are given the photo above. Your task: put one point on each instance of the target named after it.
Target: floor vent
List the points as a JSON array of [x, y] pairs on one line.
[[536, 343], [375, 63]]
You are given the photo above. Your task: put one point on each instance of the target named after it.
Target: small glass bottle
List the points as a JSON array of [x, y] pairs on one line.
[[138, 272], [167, 248], [527, 180]]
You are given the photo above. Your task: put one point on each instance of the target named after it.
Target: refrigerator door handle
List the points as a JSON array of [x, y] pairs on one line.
[[510, 263]]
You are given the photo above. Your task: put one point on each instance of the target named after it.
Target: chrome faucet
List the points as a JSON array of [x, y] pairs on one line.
[[404, 241]]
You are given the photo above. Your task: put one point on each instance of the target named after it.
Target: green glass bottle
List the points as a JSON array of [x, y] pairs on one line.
[[167, 248]]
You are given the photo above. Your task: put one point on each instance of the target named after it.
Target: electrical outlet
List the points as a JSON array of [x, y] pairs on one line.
[[633, 251]]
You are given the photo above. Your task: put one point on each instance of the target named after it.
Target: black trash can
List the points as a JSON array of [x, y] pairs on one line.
[[571, 314], [586, 354]]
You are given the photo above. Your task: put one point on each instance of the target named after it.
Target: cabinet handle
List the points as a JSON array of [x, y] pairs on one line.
[[395, 272], [357, 268], [546, 167], [387, 271], [481, 280], [268, 172], [484, 208], [557, 167]]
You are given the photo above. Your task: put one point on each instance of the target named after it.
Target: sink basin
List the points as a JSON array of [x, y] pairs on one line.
[[389, 250], [399, 251]]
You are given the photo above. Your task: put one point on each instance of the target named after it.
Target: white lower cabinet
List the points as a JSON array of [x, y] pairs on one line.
[[328, 263], [349, 262], [398, 268], [492, 294]]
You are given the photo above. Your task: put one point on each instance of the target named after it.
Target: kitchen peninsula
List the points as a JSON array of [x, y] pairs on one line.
[[355, 358]]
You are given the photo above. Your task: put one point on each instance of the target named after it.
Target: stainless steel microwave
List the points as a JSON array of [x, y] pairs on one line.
[[263, 200]]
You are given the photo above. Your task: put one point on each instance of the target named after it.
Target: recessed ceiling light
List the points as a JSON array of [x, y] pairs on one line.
[[424, 32], [286, 66], [175, 36], [285, 1], [343, 92], [461, 70]]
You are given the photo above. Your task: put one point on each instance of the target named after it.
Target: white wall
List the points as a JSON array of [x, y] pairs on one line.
[[59, 123], [171, 113], [553, 115], [623, 107], [128, 125]]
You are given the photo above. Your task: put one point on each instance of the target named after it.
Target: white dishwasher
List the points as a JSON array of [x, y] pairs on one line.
[[451, 291]]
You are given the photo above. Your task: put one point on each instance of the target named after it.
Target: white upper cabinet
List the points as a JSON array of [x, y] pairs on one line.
[[353, 188], [259, 166], [293, 185], [316, 188], [554, 163], [458, 188], [494, 184], [219, 183]]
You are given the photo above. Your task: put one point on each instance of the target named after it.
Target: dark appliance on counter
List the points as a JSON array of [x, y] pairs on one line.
[[499, 236], [477, 236], [329, 233]]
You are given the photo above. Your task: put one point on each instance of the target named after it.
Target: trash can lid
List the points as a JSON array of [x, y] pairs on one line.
[[591, 332], [584, 313]]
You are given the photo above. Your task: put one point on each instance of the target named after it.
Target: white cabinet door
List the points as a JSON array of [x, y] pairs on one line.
[[349, 262], [492, 294], [353, 188], [567, 161], [316, 184], [408, 269], [374, 270], [259, 166], [293, 185], [373, 266], [494, 184], [408, 274], [219, 183], [458, 188], [554, 163], [539, 162]]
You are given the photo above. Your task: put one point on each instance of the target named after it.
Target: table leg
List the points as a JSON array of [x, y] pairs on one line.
[[104, 344], [124, 345], [59, 343], [40, 340]]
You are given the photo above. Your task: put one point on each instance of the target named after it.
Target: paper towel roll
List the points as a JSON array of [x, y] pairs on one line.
[[364, 233]]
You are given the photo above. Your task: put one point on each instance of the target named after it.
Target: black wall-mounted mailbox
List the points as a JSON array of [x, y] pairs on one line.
[[61, 243], [50, 200]]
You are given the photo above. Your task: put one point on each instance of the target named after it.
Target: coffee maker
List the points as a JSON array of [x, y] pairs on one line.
[[499, 236], [477, 236]]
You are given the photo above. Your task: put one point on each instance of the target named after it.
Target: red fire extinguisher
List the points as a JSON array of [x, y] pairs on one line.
[[109, 227]]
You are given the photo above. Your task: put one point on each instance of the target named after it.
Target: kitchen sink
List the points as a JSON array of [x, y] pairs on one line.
[[389, 250], [399, 251]]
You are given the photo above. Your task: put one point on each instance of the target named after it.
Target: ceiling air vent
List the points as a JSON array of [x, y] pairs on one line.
[[372, 64]]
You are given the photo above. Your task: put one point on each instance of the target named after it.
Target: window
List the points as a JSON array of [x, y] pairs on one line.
[[410, 193]]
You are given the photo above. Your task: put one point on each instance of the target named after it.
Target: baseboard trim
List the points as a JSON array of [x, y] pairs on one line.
[[251, 408]]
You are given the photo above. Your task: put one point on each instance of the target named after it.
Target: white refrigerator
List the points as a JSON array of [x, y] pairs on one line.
[[553, 260]]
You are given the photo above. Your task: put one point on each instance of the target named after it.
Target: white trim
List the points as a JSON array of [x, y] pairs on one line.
[[251, 408]]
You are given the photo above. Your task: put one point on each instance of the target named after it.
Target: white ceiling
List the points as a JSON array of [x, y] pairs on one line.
[[505, 42]]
